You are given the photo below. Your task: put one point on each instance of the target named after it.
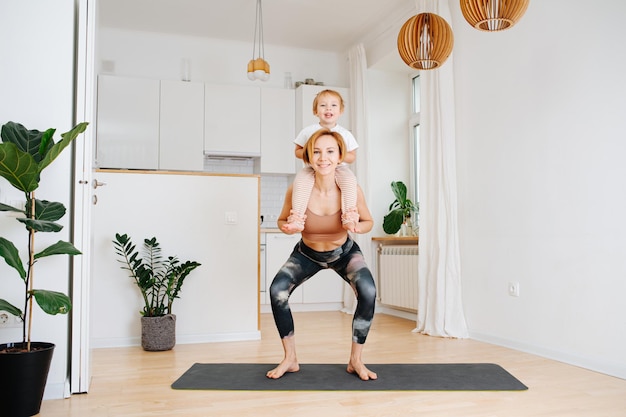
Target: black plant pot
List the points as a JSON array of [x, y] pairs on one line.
[[23, 378]]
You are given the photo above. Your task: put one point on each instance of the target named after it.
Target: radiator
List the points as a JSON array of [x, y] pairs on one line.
[[397, 276]]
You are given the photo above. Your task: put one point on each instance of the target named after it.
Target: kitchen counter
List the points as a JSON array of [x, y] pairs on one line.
[[391, 240], [270, 230], [166, 172]]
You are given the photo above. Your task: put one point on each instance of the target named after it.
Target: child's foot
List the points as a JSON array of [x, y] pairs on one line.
[[293, 227], [350, 226], [350, 220]]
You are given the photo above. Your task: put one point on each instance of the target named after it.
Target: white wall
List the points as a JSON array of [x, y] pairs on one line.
[[389, 103], [540, 149], [36, 80], [160, 56]]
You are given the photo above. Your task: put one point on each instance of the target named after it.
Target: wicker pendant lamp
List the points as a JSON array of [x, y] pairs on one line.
[[493, 15], [425, 41], [258, 68]]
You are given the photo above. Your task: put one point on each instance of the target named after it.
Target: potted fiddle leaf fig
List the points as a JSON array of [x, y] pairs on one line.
[[159, 280], [24, 154], [401, 210]]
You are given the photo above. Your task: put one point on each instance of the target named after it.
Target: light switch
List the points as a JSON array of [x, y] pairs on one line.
[[230, 217]]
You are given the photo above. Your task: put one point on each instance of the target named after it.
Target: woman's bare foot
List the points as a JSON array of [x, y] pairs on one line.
[[282, 368], [361, 370]]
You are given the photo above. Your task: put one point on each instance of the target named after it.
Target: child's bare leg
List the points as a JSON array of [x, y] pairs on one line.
[[348, 185], [289, 362], [356, 365], [302, 187]]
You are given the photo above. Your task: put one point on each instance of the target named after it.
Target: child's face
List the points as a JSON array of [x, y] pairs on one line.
[[328, 109]]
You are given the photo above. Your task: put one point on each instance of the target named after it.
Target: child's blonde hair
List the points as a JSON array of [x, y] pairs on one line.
[[309, 146], [330, 93]]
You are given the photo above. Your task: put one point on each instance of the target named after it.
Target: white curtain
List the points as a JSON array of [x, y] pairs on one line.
[[440, 307], [357, 64]]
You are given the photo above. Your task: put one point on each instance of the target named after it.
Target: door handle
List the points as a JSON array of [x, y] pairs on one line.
[[97, 184]]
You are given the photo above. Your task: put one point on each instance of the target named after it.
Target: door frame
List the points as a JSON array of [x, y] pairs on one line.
[[85, 110]]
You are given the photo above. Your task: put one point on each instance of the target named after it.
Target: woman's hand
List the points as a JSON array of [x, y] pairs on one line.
[[350, 220], [294, 223]]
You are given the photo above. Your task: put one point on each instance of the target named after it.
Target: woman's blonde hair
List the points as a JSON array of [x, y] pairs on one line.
[[309, 146], [330, 93]]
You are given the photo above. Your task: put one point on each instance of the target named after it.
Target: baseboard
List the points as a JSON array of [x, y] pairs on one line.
[[54, 391], [397, 313], [617, 370], [218, 337], [181, 339]]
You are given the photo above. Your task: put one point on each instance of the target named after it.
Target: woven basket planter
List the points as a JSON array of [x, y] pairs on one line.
[[158, 333]]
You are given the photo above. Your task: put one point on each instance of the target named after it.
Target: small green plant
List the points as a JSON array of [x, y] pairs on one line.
[[400, 210], [23, 156], [159, 279]]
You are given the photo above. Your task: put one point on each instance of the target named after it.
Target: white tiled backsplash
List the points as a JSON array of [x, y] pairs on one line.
[[273, 188]]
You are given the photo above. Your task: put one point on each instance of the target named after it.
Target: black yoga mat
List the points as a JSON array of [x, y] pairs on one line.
[[333, 377]]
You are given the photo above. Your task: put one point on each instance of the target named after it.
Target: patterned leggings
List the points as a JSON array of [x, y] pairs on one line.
[[303, 263]]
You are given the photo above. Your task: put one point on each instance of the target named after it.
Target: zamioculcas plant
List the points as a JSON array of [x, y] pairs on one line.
[[159, 279]]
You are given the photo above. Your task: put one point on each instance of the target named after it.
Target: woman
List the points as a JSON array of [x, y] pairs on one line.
[[325, 244]]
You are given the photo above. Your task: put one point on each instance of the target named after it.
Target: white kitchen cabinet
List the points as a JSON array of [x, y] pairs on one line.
[[232, 120], [305, 94], [325, 288], [181, 129], [128, 123], [278, 131], [278, 247]]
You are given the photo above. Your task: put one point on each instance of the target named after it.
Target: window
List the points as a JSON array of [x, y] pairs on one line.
[[414, 124]]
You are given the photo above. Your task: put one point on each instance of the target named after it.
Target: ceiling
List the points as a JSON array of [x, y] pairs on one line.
[[326, 25]]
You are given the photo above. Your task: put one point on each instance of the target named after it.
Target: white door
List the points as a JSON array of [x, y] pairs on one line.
[[83, 194]]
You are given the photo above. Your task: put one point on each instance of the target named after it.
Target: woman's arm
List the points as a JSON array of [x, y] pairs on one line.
[[350, 157], [286, 212], [366, 223]]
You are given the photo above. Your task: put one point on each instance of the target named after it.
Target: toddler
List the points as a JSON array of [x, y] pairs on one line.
[[328, 106]]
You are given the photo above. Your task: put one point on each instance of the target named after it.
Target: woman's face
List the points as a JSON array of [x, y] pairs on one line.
[[325, 155]]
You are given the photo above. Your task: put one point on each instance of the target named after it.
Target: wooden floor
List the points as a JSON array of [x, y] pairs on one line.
[[132, 383]]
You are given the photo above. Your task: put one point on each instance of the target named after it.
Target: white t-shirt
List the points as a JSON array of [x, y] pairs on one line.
[[307, 132]]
